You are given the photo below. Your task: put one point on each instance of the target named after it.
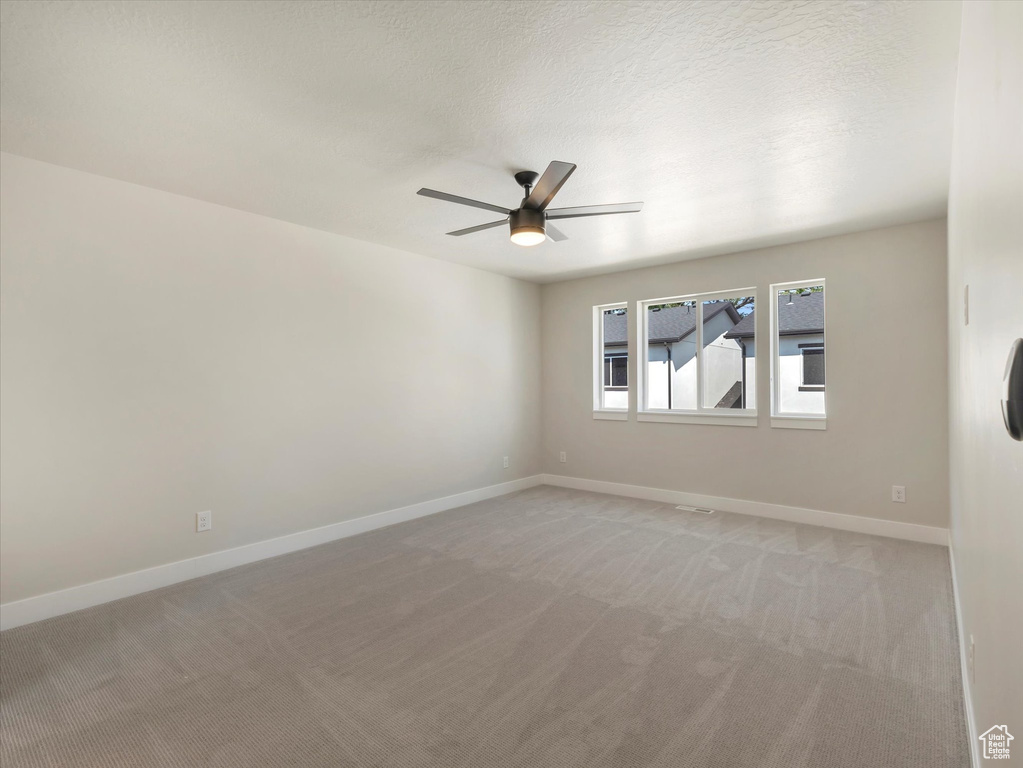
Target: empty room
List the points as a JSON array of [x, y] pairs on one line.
[[511, 384]]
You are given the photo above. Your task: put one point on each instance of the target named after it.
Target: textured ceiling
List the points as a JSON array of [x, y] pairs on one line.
[[738, 124]]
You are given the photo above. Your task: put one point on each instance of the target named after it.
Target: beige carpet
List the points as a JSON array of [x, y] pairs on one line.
[[546, 628]]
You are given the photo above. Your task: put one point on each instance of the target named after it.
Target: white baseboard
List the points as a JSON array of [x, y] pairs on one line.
[[31, 609], [872, 525], [971, 722]]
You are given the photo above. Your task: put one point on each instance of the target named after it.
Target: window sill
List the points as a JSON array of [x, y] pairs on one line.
[[608, 415], [668, 417], [798, 422], [810, 388]]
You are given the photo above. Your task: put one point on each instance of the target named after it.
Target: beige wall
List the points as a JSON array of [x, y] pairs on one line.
[[986, 252], [162, 356], [887, 391]]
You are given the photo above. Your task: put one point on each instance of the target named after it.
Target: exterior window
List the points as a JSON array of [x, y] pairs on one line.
[[700, 357], [616, 372], [813, 368], [798, 354], [729, 359], [671, 356], [611, 361]]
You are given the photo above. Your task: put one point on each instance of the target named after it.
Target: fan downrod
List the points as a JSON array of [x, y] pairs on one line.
[[527, 180]]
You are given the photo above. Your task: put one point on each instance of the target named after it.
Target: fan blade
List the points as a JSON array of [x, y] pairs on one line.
[[477, 228], [462, 200], [554, 233], [547, 187], [593, 210]]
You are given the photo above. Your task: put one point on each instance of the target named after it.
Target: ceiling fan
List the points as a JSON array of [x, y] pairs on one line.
[[530, 222]]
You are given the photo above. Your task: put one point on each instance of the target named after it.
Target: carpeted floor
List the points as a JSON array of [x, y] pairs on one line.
[[546, 628]]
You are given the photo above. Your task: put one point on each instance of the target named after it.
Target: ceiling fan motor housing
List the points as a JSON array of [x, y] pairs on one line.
[[528, 220]]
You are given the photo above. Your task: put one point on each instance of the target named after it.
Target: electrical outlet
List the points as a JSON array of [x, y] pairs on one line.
[[562, 458], [506, 462], [203, 521], [971, 659], [899, 494]]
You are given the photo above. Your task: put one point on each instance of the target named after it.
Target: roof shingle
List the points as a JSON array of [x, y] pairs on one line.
[[804, 315], [665, 324]]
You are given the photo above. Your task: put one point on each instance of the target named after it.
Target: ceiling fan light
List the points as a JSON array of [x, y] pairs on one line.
[[528, 226], [528, 236]]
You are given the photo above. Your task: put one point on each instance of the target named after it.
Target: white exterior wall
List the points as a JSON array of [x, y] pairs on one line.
[[616, 398], [682, 375], [751, 372], [683, 363], [789, 371], [722, 364]]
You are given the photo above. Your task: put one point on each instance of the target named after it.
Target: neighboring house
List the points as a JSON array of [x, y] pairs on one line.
[[671, 359], [800, 351], [729, 354], [616, 360]]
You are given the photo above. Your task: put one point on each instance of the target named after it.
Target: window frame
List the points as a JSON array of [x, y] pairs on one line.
[[811, 349], [786, 419], [599, 411], [744, 417], [609, 372]]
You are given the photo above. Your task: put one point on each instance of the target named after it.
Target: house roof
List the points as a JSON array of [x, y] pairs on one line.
[[804, 315], [666, 324]]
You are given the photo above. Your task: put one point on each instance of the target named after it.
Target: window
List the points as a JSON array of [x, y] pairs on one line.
[[729, 348], [700, 358], [813, 368], [616, 372], [611, 361], [798, 355]]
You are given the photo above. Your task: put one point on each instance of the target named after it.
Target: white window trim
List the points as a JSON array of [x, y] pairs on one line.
[[693, 417], [785, 420], [611, 414], [599, 411], [799, 422], [746, 417]]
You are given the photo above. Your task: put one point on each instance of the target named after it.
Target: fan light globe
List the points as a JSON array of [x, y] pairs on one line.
[[528, 226], [528, 236]]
